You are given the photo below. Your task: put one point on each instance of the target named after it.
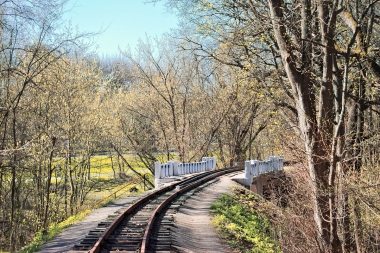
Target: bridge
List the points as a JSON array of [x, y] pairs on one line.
[[257, 174]]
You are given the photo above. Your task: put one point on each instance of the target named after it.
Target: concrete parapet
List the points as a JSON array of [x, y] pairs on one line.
[[163, 172], [258, 173]]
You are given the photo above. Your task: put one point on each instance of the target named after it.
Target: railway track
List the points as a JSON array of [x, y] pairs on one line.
[[145, 225]]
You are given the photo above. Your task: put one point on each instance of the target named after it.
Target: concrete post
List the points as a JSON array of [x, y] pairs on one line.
[[175, 168], [270, 164], [204, 162], [281, 161], [157, 170], [276, 163], [170, 169], [255, 168], [157, 174], [247, 167], [164, 169]]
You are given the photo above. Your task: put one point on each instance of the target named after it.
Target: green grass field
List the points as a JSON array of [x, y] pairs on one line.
[[104, 166]]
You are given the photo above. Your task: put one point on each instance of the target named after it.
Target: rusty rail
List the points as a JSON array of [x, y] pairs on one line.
[[156, 201], [144, 244]]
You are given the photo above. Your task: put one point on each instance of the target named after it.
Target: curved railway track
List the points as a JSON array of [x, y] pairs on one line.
[[145, 225]]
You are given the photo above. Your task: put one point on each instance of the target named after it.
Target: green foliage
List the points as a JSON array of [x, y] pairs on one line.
[[245, 228]]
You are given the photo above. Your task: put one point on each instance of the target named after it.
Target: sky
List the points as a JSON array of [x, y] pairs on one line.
[[124, 22]]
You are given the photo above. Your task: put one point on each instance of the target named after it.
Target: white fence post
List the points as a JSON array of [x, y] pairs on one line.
[[271, 164], [247, 168], [276, 163], [175, 168], [163, 171], [170, 169], [255, 168], [157, 174], [157, 170], [260, 168]]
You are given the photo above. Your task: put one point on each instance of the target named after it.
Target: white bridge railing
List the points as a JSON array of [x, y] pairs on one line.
[[173, 168], [254, 168]]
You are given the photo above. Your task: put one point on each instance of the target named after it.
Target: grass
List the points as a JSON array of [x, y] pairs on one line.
[[245, 229], [102, 164]]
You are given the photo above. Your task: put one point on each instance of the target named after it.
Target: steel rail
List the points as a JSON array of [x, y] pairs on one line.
[[111, 228], [156, 212]]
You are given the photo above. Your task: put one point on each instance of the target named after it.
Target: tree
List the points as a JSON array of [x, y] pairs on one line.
[[311, 49], [29, 46], [183, 102]]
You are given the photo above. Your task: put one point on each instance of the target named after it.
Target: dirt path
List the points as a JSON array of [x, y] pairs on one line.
[[193, 231]]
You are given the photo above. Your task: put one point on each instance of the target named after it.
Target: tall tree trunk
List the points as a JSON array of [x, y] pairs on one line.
[[48, 183], [316, 129], [13, 220]]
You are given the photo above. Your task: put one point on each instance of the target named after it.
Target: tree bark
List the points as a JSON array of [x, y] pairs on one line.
[[316, 129], [50, 172]]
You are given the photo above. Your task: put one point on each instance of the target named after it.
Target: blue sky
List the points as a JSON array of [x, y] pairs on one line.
[[124, 21]]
